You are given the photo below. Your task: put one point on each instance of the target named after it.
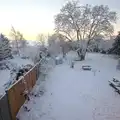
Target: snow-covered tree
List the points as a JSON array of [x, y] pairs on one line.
[[5, 49], [116, 45], [53, 45], [58, 44], [95, 45], [41, 43], [41, 39], [80, 22], [63, 44]]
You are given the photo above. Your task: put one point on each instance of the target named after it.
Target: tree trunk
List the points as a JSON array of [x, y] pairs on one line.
[[63, 52], [84, 54], [17, 46], [78, 35]]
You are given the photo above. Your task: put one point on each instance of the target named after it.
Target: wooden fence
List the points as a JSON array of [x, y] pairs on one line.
[[16, 92]]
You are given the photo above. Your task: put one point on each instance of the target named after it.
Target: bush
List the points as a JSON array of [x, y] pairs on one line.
[[116, 46], [103, 52]]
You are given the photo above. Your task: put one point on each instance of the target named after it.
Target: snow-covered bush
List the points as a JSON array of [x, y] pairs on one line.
[[16, 72], [31, 52], [58, 60], [7, 65], [116, 45], [5, 49], [53, 48], [46, 64], [118, 65]]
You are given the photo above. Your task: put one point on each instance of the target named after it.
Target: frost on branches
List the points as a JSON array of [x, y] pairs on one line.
[[58, 44], [84, 22], [5, 49]]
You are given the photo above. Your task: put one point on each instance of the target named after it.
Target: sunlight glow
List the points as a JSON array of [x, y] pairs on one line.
[[33, 17]]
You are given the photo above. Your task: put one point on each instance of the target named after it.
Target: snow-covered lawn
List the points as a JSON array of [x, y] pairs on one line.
[[74, 94], [5, 74]]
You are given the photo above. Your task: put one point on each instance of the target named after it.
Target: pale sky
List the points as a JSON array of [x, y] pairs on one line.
[[37, 16]]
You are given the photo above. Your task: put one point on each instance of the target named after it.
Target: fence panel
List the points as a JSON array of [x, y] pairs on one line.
[[16, 97], [27, 79], [16, 91], [4, 108], [33, 76]]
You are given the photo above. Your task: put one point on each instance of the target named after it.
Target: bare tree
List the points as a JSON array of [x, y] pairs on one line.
[[41, 39], [13, 34], [19, 40], [84, 22], [63, 44]]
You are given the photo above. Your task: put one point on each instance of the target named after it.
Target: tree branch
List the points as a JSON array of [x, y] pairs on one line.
[[68, 35]]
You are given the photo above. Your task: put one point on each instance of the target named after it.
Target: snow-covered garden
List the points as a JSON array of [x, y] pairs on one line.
[[75, 94], [75, 66]]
